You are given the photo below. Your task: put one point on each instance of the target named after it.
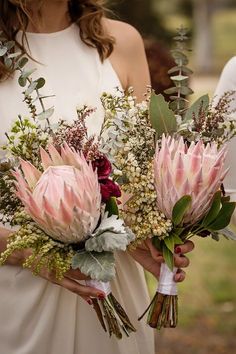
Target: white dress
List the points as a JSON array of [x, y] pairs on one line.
[[227, 83], [37, 317]]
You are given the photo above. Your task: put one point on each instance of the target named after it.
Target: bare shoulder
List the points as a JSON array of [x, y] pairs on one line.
[[128, 57], [126, 36]]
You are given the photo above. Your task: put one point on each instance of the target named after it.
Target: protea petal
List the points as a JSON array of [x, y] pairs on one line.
[[65, 201], [195, 170], [31, 173]]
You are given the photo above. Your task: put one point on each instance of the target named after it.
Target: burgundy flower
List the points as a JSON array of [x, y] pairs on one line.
[[109, 189], [103, 167]]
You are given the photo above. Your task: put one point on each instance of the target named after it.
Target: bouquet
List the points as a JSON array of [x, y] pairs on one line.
[[170, 165], [56, 188]]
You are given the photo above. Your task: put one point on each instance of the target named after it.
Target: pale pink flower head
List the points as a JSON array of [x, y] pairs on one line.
[[180, 170], [64, 200]]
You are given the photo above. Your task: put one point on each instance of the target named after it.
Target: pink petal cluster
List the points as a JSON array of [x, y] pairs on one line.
[[64, 200], [180, 170]]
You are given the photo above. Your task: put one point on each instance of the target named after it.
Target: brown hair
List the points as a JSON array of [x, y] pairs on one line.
[[87, 14]]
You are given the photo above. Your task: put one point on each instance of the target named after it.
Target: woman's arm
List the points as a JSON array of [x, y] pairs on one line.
[[69, 282], [128, 58]]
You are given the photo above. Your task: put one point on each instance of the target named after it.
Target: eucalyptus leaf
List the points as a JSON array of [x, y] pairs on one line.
[[168, 257], [180, 208], [163, 120], [184, 90], [98, 266], [183, 69], [22, 62], [31, 88], [214, 210], [26, 73], [13, 55], [179, 78], [22, 81], [46, 114], [8, 62], [40, 83], [223, 218], [3, 50], [10, 44], [171, 90], [202, 103]]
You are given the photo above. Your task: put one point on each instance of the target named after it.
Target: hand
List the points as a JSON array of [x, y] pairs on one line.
[[150, 258], [69, 282]]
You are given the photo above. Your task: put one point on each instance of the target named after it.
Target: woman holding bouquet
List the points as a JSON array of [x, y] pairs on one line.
[[226, 84], [81, 54]]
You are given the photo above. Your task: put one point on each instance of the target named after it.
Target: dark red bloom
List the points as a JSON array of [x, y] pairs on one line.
[[109, 189], [103, 167]]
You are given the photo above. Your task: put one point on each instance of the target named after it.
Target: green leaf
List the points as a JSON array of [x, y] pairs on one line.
[[201, 103], [31, 88], [157, 243], [47, 114], [184, 69], [179, 57], [180, 209], [3, 50], [223, 218], [22, 81], [10, 44], [179, 78], [177, 239], [22, 62], [215, 236], [168, 257], [26, 73], [110, 241], [98, 266], [112, 207], [184, 90], [214, 210], [171, 90], [8, 62], [170, 243], [162, 118], [40, 83]]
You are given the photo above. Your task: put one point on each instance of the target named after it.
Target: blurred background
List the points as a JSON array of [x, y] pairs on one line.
[[207, 298]]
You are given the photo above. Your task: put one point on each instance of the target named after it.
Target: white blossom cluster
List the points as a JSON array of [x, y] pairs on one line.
[[130, 140]]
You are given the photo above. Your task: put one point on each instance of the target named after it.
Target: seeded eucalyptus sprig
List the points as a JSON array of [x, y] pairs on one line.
[[16, 62], [179, 74]]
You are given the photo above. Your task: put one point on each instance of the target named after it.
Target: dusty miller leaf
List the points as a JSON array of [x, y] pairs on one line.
[[110, 241], [98, 266]]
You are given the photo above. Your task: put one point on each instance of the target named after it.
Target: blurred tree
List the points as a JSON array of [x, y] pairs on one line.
[[141, 15], [203, 36]]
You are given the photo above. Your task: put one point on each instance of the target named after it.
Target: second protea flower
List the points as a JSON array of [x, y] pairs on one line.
[[64, 200], [196, 170]]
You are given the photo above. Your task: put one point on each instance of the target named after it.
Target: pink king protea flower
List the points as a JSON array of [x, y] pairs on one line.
[[64, 200], [180, 170]]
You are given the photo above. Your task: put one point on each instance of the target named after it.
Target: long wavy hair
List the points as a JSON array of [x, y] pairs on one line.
[[87, 14]]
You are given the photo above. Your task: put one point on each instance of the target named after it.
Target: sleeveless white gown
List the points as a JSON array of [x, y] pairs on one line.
[[37, 317], [227, 82]]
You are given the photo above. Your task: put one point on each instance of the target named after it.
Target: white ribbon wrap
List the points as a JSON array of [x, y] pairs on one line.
[[167, 285], [100, 285]]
